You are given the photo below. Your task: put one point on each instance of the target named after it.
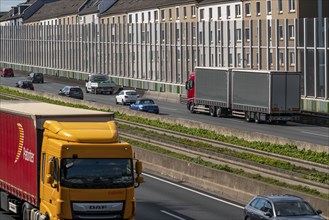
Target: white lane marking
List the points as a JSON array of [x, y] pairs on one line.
[[194, 191], [322, 135], [175, 216]]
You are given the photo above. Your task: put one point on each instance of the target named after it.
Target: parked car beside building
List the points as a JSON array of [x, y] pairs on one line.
[[71, 91], [7, 72]]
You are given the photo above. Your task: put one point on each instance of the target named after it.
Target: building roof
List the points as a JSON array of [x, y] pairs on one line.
[[14, 13], [212, 2], [91, 7], [126, 6], [57, 9]]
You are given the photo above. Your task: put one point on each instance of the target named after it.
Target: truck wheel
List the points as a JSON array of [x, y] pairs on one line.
[[192, 108], [247, 116], [257, 120], [219, 112], [26, 211], [212, 110]]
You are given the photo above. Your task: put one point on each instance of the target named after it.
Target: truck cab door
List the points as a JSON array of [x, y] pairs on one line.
[[49, 186]]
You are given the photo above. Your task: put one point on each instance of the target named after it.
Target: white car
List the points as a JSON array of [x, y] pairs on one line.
[[126, 97]]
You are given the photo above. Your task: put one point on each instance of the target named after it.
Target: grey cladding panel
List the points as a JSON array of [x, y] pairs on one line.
[[250, 88], [211, 84]]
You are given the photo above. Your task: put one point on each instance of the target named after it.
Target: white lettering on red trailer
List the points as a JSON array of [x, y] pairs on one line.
[[28, 155]]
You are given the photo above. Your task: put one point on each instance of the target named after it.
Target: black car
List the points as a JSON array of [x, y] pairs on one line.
[[25, 84], [277, 207], [36, 77], [71, 91]]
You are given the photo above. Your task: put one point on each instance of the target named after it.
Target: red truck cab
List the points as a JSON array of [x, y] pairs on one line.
[[189, 86]]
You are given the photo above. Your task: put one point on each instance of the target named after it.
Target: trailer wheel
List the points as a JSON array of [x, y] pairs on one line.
[[219, 112], [247, 116], [192, 108], [26, 211], [212, 110], [257, 120]]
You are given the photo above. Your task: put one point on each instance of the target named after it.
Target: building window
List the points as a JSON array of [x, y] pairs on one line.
[[257, 60], [185, 13], [210, 36], [193, 11], [238, 34], [281, 32], [291, 5], [292, 58], [248, 9], [218, 36], [281, 59], [162, 14], [143, 18], [269, 7], [219, 12], [201, 14], [177, 13], [291, 32], [237, 11], [156, 17], [280, 6], [247, 34], [170, 14], [230, 59], [270, 59], [130, 18], [258, 8], [248, 59], [210, 13], [149, 16], [228, 11], [239, 59]]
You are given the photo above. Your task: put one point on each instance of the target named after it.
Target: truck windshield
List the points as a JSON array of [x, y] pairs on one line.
[[96, 173], [99, 78]]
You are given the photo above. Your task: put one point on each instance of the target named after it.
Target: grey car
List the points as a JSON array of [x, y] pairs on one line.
[[280, 207], [71, 91], [36, 77]]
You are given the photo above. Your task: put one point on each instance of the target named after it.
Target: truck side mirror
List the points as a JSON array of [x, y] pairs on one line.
[[50, 172], [139, 167]]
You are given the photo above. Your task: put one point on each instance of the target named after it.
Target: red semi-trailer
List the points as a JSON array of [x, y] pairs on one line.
[[56, 163]]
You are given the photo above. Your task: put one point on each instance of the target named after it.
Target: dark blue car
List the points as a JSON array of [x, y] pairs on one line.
[[145, 105]]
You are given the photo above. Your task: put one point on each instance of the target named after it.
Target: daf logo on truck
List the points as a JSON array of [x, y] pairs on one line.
[[27, 154], [97, 207]]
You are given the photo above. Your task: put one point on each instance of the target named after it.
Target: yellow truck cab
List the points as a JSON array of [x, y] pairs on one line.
[[66, 163]]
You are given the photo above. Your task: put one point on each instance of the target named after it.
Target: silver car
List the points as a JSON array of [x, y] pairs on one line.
[[280, 207], [126, 97]]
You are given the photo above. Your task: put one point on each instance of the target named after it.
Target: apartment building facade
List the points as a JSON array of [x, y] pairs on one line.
[[156, 44]]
